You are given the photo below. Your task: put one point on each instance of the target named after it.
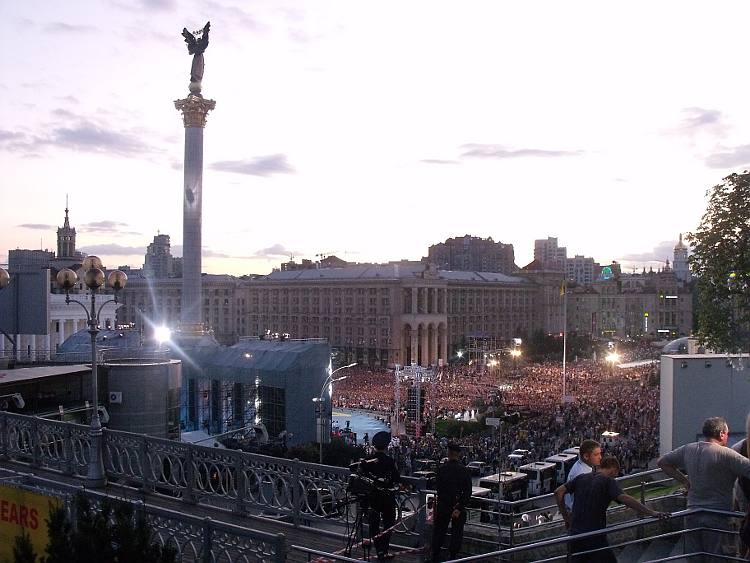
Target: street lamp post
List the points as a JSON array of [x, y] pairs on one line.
[[319, 399], [93, 277], [4, 282], [515, 353]]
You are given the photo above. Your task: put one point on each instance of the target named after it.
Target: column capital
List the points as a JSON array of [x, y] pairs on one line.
[[194, 110]]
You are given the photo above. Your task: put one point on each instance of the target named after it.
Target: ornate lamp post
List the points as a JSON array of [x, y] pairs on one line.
[[93, 277], [320, 400]]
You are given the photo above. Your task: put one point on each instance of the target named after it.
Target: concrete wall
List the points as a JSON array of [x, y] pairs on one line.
[[695, 387]]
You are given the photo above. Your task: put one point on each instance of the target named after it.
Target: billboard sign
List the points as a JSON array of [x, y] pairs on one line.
[[23, 511]]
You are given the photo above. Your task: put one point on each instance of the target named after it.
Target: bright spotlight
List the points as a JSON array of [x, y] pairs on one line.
[[162, 334], [460, 354], [613, 357]]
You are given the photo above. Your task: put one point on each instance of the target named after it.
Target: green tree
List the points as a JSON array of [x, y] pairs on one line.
[[720, 261], [23, 549], [60, 547], [112, 534]]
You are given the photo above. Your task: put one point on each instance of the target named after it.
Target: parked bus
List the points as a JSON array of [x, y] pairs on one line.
[[541, 477], [563, 464]]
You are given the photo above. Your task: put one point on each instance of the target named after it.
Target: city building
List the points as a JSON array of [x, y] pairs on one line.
[[680, 262], [64, 320], [25, 260], [306, 264], [547, 252], [150, 302], [159, 262], [650, 304], [473, 254], [581, 269], [373, 314]]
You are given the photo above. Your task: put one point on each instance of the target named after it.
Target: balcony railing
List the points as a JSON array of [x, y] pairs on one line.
[[194, 538]]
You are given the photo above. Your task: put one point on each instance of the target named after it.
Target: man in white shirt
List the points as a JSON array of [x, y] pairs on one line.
[[589, 456]]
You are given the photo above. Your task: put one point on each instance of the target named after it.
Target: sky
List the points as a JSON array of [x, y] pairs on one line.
[[371, 130]]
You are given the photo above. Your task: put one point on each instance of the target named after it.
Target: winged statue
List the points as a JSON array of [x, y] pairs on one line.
[[196, 44]]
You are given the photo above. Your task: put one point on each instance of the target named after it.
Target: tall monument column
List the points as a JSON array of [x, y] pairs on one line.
[[194, 110]]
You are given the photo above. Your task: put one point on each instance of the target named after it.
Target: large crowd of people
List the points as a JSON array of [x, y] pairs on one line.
[[598, 397]]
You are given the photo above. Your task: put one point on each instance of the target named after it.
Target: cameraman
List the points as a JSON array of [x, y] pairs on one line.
[[382, 501]]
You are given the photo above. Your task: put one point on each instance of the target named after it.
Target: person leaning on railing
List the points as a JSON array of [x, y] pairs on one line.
[[712, 469], [593, 494]]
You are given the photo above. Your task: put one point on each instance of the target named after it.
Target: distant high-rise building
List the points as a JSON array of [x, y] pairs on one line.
[[23, 260], [473, 254], [159, 262], [581, 269], [547, 253], [680, 262]]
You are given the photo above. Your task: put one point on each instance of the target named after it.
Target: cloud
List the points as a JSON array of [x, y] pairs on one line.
[[90, 137], [6, 136], [107, 227], [176, 250], [662, 251], [75, 132], [699, 123], [113, 250], [63, 27], [71, 99], [478, 150], [233, 15], [731, 157], [38, 226], [696, 117], [141, 5], [259, 166], [438, 161], [273, 251]]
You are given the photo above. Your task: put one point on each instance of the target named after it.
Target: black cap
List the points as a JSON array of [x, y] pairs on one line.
[[453, 447], [381, 440]]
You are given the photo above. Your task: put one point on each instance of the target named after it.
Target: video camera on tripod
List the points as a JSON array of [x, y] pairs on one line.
[[362, 486]]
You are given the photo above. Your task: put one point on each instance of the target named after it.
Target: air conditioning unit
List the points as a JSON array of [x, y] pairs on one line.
[[115, 397]]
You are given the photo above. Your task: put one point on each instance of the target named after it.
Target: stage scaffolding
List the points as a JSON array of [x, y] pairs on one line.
[[415, 377]]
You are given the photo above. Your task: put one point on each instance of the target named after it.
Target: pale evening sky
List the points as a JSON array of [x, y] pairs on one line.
[[371, 130]]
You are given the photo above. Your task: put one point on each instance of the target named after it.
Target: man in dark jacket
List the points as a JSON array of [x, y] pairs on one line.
[[453, 485], [593, 493], [382, 501]]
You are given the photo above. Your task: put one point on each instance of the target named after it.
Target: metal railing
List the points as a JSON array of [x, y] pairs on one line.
[[297, 492], [685, 534], [26, 356], [686, 540], [195, 538]]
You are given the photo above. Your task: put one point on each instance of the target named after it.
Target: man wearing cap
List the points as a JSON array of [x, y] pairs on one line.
[[382, 502], [453, 485]]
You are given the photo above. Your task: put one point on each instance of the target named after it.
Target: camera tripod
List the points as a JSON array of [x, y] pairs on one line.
[[355, 534]]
